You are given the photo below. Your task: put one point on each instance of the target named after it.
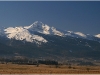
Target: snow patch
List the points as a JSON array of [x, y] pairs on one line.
[[70, 31], [80, 34], [20, 33], [45, 29], [56, 32], [98, 35], [39, 27]]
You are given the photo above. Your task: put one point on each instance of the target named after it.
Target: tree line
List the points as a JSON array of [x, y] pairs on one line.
[[28, 61]]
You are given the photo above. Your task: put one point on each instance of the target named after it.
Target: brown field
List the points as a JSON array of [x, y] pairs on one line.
[[47, 69]]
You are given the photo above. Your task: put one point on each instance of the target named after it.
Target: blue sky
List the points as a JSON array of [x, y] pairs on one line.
[[83, 16]]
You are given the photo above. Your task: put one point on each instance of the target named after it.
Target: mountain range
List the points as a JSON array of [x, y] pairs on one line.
[[40, 40]]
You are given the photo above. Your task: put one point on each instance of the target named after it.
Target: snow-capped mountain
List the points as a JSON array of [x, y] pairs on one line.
[[28, 33], [39, 27], [19, 33], [43, 28], [40, 40]]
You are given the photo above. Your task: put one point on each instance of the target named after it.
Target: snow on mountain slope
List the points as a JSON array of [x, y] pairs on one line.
[[39, 27], [23, 33], [56, 32], [80, 34], [43, 28], [28, 33], [98, 35], [75, 34], [20, 33]]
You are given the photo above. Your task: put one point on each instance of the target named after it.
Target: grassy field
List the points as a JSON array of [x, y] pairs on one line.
[[47, 69]]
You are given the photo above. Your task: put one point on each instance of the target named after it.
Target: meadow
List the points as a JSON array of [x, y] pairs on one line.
[[47, 69]]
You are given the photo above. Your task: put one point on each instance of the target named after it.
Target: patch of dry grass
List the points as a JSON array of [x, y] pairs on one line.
[[47, 69]]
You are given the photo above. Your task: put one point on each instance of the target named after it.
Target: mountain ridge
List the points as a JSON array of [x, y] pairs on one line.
[[41, 40], [28, 33]]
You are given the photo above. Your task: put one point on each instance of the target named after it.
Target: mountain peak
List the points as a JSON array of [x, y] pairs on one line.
[[20, 33], [29, 33], [34, 25], [37, 23], [38, 26]]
